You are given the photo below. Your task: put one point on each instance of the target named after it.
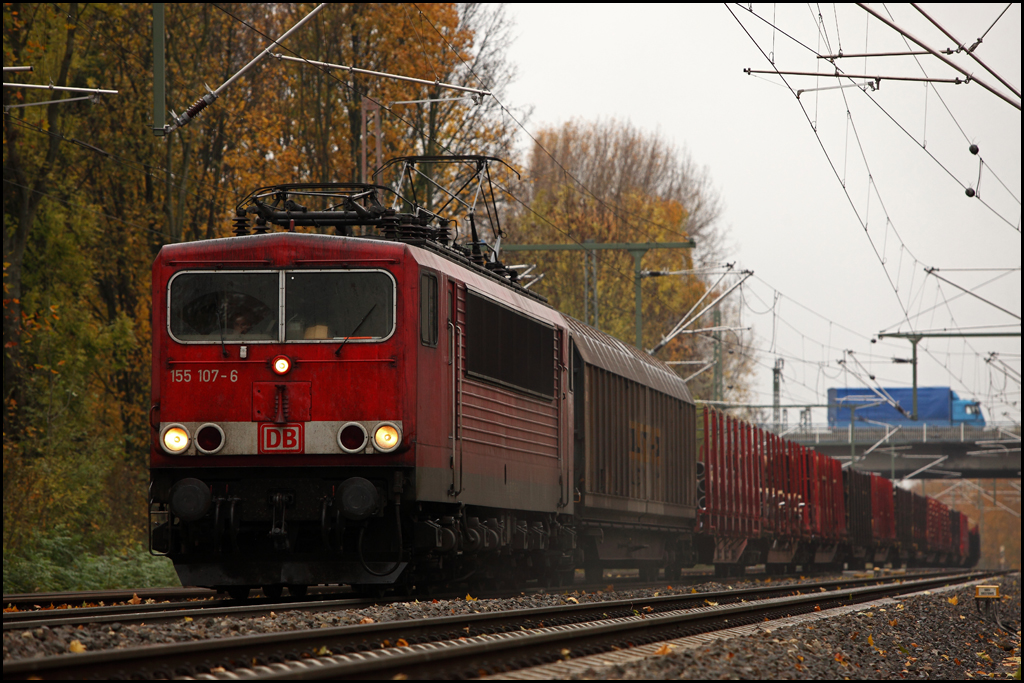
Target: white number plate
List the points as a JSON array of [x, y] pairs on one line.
[[204, 375]]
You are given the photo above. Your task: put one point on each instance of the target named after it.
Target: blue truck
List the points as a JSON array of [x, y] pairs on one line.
[[935, 406]]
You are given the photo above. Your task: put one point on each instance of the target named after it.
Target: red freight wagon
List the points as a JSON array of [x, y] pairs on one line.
[[732, 459], [940, 538], [767, 499]]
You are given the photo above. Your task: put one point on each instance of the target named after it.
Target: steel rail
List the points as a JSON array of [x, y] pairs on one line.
[[30, 600], [499, 653], [156, 613], [182, 659]]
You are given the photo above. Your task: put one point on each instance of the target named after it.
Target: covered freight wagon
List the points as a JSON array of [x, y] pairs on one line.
[[635, 457]]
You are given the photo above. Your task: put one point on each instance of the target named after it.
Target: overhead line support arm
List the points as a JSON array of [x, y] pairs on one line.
[[945, 60]]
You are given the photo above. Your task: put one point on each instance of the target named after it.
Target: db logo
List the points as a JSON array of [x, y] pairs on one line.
[[286, 438]]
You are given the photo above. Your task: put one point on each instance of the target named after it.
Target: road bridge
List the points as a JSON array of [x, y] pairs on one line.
[[919, 451]]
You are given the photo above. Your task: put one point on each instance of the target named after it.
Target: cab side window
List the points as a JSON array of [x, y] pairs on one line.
[[428, 309]]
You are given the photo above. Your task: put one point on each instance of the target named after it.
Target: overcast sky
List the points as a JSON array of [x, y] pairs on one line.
[[824, 282]]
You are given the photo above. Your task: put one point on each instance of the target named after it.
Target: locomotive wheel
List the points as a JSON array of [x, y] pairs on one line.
[[273, 592], [298, 590], [238, 592]]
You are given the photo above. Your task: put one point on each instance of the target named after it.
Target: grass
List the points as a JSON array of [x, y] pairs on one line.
[[59, 561]]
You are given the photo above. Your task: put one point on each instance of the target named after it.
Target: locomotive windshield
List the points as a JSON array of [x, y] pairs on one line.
[[317, 305], [338, 305], [224, 306]]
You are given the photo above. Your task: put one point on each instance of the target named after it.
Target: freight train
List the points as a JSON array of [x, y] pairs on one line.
[[392, 409]]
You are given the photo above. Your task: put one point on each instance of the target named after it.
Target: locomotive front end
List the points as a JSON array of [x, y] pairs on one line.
[[281, 432]]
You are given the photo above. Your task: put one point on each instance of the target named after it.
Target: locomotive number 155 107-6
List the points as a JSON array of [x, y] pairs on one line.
[[204, 375]]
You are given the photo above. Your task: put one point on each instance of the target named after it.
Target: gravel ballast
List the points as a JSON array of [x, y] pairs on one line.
[[925, 636], [937, 635], [46, 641]]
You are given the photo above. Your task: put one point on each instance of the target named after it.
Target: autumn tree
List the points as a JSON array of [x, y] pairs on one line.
[[90, 194], [611, 182]]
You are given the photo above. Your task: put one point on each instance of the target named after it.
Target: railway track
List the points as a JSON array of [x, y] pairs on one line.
[[325, 598], [469, 644], [162, 605]]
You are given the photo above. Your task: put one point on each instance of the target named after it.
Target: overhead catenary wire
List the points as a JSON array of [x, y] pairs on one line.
[[835, 171], [921, 144]]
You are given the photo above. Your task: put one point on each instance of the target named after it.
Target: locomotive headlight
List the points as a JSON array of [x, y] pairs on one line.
[[352, 437], [387, 437], [175, 439], [281, 365]]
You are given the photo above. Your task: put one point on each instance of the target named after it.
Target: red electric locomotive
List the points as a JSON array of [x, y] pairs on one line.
[[332, 408], [392, 408]]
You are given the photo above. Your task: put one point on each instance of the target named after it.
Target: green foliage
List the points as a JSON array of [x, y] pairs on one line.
[[63, 561]]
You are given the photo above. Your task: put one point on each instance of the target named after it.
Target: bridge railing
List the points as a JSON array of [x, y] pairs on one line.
[[918, 433]]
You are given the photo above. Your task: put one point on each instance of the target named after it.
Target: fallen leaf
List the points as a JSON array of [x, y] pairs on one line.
[[648, 609], [893, 622], [871, 641], [817, 608], [366, 620], [572, 600], [218, 670], [188, 619], [322, 651], [136, 600], [76, 646], [984, 656], [401, 642], [435, 601], [953, 600], [712, 603], [470, 598], [693, 590], [665, 649]]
